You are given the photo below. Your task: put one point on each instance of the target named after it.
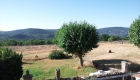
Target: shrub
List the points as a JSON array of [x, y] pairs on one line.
[[55, 54], [10, 65]]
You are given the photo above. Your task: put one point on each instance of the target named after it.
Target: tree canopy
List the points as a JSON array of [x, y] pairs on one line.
[[110, 39], [104, 37], [10, 64], [77, 38], [134, 32]]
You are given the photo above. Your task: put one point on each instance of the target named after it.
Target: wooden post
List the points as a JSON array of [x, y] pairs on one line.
[[27, 76], [124, 66], [122, 77], [122, 41], [57, 74]]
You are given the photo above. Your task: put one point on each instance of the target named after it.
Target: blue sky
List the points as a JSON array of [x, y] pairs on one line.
[[51, 14]]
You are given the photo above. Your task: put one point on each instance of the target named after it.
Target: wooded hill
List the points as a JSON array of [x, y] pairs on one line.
[[26, 34], [114, 31], [34, 33]]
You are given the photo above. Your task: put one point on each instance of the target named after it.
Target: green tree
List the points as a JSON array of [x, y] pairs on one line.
[[104, 37], [116, 38], [10, 65], [40, 42], [134, 32], [125, 38], [49, 41], [110, 39], [11, 42], [77, 38]]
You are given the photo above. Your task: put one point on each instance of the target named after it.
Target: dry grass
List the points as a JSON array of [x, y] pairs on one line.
[[125, 51], [120, 52], [32, 51]]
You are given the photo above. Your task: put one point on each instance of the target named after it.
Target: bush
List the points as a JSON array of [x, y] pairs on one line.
[[55, 54], [10, 65]]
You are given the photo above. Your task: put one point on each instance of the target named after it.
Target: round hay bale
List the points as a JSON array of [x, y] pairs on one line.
[[109, 51]]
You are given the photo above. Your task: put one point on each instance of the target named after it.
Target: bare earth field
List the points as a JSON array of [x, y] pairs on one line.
[[125, 51]]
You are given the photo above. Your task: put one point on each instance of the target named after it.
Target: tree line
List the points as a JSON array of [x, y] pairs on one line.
[[106, 37], [12, 42]]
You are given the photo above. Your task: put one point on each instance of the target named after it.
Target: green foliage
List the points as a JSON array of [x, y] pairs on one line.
[[77, 38], [117, 38], [10, 65], [104, 37], [110, 39], [12, 42], [134, 32], [50, 41], [57, 55], [125, 38]]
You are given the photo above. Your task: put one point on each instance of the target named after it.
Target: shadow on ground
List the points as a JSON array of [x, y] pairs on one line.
[[27, 63], [105, 64]]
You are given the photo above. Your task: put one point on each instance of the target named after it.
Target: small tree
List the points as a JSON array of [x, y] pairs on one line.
[[77, 38], [134, 32], [110, 39], [10, 65]]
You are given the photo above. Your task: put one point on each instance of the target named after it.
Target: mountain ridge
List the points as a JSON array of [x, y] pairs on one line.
[[36, 33], [114, 31]]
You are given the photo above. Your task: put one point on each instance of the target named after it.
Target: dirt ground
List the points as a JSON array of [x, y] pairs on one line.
[[125, 51]]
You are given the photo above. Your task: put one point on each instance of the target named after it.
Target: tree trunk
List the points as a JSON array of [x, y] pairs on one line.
[[80, 60]]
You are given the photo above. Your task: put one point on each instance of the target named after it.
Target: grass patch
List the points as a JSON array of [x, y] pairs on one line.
[[67, 71], [45, 69], [37, 74]]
